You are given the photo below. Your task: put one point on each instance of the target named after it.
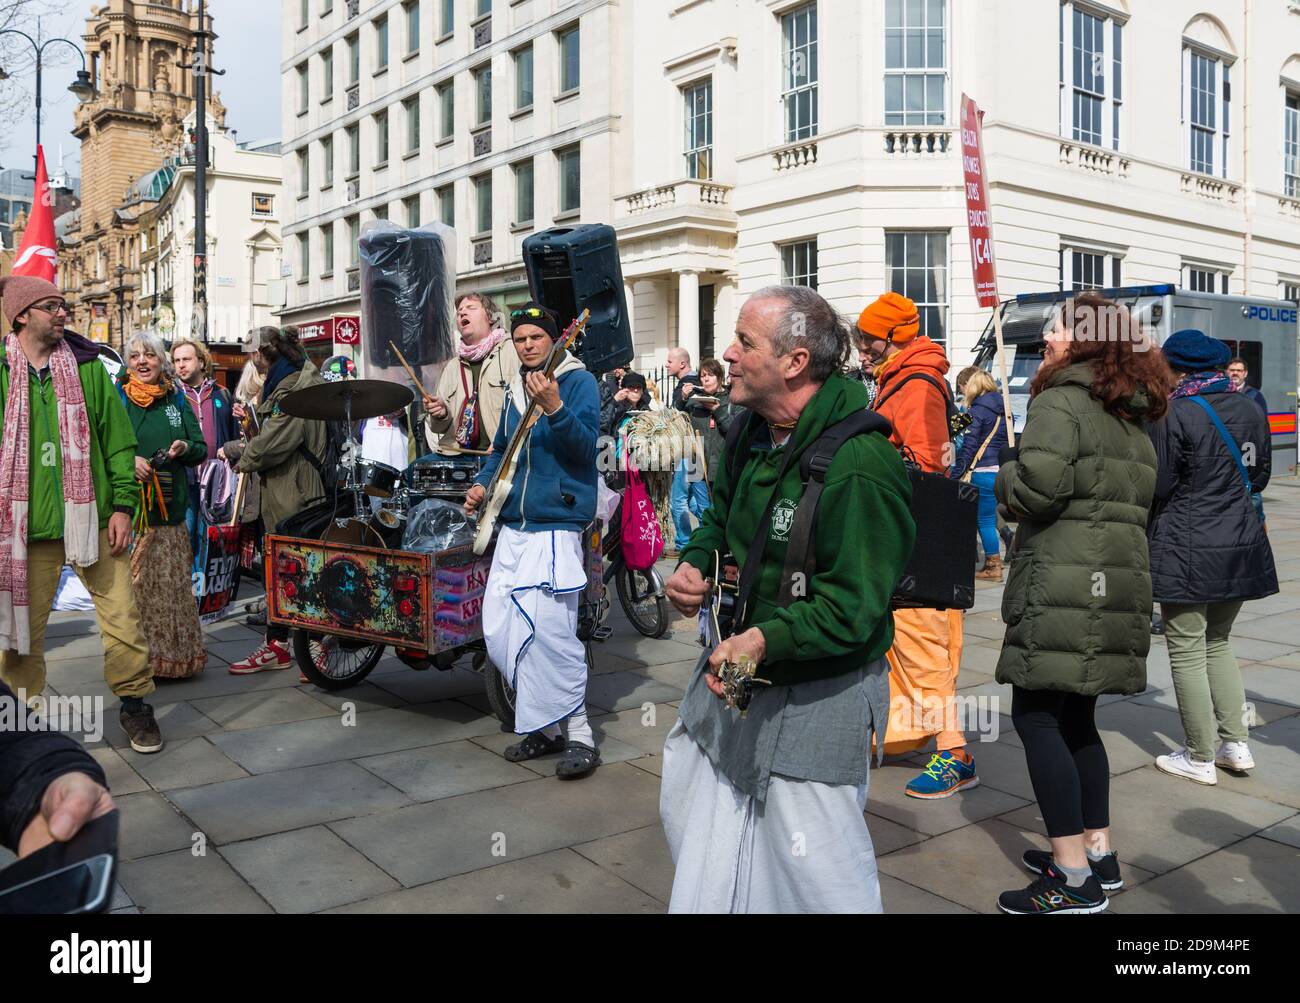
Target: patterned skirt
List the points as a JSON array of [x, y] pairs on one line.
[[161, 566]]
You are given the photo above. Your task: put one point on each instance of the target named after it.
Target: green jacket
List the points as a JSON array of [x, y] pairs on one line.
[[1077, 603], [864, 538], [157, 427], [289, 481], [112, 448]]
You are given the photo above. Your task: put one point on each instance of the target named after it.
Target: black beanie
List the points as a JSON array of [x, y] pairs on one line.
[[538, 316], [633, 381]]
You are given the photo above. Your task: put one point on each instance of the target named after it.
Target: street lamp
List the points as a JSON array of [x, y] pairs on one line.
[[120, 293], [81, 86]]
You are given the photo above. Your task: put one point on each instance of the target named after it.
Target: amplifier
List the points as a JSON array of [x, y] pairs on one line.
[[941, 572], [448, 477]]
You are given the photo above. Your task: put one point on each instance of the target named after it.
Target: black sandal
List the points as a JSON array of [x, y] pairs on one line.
[[535, 746], [579, 761]]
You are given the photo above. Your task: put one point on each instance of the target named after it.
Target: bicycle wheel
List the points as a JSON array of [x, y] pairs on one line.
[[639, 593], [500, 696], [334, 663]]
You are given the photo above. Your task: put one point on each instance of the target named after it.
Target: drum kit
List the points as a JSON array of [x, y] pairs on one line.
[[349, 401]]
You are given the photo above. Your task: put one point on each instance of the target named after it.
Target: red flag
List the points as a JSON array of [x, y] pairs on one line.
[[39, 253]]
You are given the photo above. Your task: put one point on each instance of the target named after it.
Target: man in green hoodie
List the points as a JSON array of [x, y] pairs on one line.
[[763, 813]]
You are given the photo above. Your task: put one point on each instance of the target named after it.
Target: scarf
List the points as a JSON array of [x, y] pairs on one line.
[[279, 371], [80, 514], [1198, 384], [143, 394], [479, 352]]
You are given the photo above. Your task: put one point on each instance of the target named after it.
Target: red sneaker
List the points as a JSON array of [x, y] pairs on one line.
[[272, 656]]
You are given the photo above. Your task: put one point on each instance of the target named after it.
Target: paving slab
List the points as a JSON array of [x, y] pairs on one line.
[[653, 765], [1253, 876], [216, 681], [448, 770], [1263, 711], [179, 882], [308, 870], [1134, 732], [650, 651], [361, 698], [244, 711], [611, 750], [1275, 627], [427, 687], [149, 825], [71, 624], [556, 883], [675, 674], [1291, 661], [985, 625], [646, 729], [885, 798], [604, 660], [176, 721], [1159, 822], [620, 691], [887, 836], [979, 658], [453, 836], [276, 802], [1001, 766], [1276, 777], [328, 740], [1287, 832], [121, 778], [186, 762], [899, 898], [640, 857]]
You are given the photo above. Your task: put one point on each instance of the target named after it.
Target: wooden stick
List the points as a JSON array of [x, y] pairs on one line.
[[1002, 370], [239, 500], [409, 371]]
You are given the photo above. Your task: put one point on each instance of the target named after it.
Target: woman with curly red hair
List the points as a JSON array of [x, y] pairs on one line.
[[1077, 603]]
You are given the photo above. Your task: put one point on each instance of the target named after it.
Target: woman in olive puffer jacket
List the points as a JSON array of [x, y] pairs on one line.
[[1077, 603]]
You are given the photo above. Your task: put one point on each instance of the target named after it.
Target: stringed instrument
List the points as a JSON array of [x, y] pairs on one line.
[[739, 679], [503, 482]]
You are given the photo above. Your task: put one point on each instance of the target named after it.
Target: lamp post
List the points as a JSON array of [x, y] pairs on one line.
[[120, 293], [81, 86]]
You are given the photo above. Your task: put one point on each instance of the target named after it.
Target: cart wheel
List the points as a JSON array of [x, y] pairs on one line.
[[647, 611], [333, 663], [501, 698]]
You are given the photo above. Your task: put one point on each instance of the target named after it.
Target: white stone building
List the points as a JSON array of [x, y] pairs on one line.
[[735, 143]]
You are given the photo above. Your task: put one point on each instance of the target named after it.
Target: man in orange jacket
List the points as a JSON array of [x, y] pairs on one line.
[[913, 395]]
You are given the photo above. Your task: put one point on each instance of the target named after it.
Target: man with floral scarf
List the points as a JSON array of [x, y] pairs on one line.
[[472, 389], [67, 496]]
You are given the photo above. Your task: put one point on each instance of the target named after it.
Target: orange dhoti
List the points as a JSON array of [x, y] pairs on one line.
[[923, 666]]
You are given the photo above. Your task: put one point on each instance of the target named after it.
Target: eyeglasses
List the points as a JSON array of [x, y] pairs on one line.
[[52, 306]]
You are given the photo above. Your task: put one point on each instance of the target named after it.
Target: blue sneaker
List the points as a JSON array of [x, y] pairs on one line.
[[944, 777]]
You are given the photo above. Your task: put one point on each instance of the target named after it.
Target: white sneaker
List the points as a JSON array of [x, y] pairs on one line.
[[1234, 756], [1181, 764]]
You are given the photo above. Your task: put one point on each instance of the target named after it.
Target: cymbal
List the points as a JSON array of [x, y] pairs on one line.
[[327, 402]]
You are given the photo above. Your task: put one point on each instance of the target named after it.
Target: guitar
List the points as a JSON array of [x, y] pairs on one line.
[[503, 482], [740, 678]]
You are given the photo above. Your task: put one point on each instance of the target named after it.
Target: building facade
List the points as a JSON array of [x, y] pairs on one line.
[[738, 143]]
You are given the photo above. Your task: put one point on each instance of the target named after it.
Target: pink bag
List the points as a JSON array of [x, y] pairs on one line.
[[643, 542]]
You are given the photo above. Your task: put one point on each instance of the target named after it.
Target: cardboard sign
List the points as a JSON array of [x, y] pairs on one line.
[[978, 218]]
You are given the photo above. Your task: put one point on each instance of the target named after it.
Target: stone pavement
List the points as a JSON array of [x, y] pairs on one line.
[[394, 797]]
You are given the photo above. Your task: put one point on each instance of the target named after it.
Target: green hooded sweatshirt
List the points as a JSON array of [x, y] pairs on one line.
[[864, 538], [112, 447]]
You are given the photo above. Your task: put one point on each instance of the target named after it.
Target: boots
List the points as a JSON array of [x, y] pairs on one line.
[[992, 570]]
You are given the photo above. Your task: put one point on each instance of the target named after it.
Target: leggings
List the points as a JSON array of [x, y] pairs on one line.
[[1067, 762], [988, 513]]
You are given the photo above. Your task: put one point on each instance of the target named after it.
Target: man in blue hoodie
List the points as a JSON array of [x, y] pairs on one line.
[[530, 617]]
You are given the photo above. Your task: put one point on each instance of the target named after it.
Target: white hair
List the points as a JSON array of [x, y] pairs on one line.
[[151, 345]]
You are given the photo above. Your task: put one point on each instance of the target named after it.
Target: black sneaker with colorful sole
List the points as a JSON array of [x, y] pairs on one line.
[[1051, 896], [1105, 870]]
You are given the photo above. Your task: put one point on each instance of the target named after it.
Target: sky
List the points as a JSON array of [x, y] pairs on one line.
[[247, 48]]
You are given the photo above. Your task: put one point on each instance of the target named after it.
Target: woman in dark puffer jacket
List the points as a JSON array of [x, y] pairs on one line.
[[1078, 599], [1209, 551]]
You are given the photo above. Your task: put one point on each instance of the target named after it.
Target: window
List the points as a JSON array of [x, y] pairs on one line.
[[304, 173], [381, 212], [699, 131], [1091, 81], [447, 206], [1083, 269], [1205, 280], [304, 14], [1290, 291], [799, 264], [303, 89], [1291, 168], [354, 241], [799, 72], [381, 43], [381, 138], [412, 208], [412, 106], [327, 245], [446, 110], [570, 59], [354, 60], [916, 265], [304, 257], [448, 24], [263, 205], [412, 27], [327, 155], [524, 78], [354, 150], [327, 75], [570, 163], [524, 193], [916, 78], [483, 95], [482, 8], [483, 204], [1207, 99]]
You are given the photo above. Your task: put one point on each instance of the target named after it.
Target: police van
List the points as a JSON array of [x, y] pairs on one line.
[[1262, 332]]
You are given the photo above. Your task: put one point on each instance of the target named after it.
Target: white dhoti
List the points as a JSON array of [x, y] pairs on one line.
[[530, 624], [805, 849]]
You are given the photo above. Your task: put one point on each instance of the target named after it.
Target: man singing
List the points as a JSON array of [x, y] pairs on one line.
[[530, 620], [764, 813]]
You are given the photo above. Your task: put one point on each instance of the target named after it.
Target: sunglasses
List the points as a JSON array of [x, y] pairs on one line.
[[533, 313]]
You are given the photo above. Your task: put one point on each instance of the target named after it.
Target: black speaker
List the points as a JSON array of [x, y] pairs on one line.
[[941, 573], [404, 297], [576, 268]]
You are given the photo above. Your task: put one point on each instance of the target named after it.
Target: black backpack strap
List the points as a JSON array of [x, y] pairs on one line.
[[736, 448], [949, 403], [800, 553]]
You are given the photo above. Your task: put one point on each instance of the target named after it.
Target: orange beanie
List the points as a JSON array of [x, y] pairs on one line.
[[891, 318]]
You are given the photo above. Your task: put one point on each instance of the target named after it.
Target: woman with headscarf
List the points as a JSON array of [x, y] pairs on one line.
[[169, 440], [1209, 551]]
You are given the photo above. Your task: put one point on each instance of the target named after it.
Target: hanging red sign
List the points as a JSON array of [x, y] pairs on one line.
[[978, 218]]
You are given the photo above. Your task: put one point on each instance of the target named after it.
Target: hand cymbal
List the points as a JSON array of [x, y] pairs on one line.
[[328, 402]]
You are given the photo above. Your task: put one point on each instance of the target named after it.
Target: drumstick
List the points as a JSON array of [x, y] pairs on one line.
[[409, 371]]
